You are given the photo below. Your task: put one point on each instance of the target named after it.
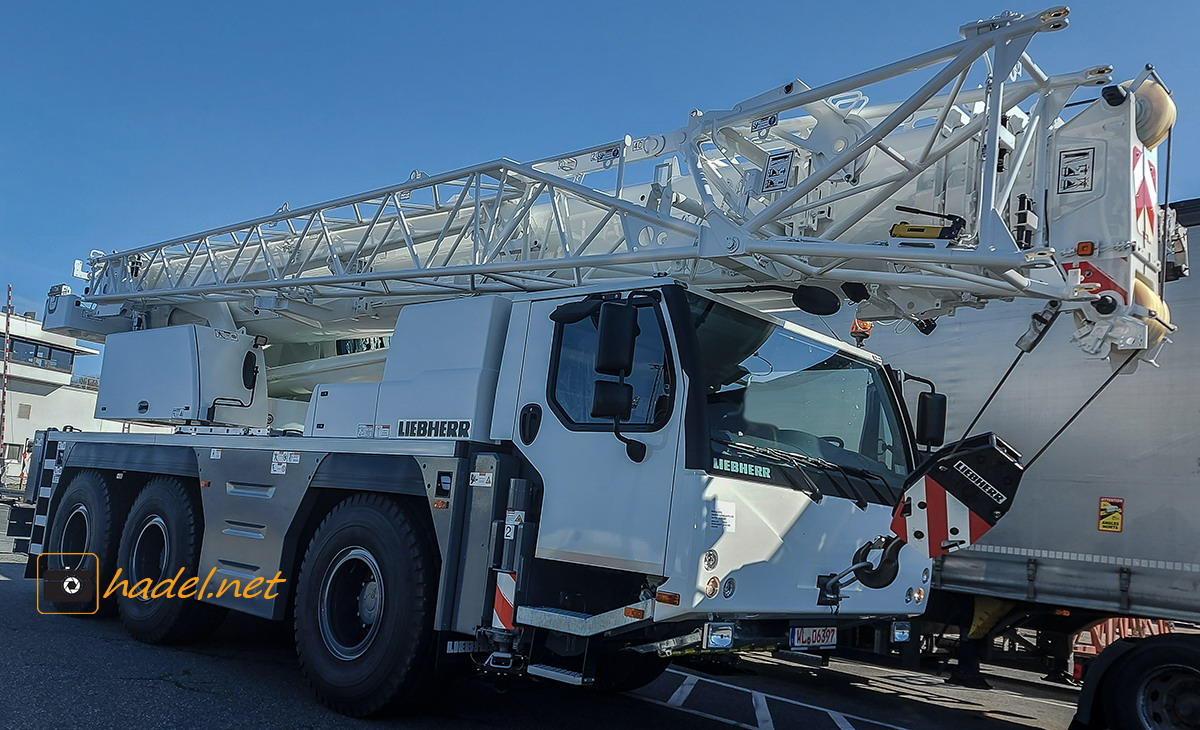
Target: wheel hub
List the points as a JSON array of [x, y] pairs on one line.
[[1170, 699], [368, 603], [352, 603]]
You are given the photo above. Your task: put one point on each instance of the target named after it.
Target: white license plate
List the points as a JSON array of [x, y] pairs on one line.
[[808, 637]]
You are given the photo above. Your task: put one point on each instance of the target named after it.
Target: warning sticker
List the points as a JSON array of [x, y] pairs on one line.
[[723, 516], [1076, 172], [777, 171], [278, 468], [366, 430], [1112, 514], [285, 457], [482, 478]]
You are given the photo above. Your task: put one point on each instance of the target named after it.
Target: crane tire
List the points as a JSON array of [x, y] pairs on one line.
[[162, 534], [86, 520], [365, 603]]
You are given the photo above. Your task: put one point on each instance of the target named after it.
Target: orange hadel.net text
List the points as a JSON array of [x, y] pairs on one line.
[[176, 587]]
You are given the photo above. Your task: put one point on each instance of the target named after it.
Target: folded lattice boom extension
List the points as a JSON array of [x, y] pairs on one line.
[[796, 187]]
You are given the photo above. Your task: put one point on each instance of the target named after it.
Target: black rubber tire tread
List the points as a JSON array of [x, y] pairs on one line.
[[397, 667], [625, 671], [167, 620], [1123, 680], [92, 489]]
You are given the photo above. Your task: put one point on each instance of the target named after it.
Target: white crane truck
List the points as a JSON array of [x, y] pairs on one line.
[[587, 444]]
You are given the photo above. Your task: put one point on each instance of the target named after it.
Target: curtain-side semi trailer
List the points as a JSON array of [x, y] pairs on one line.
[[1108, 518]]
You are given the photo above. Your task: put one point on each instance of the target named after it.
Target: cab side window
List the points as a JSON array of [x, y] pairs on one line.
[[573, 375]]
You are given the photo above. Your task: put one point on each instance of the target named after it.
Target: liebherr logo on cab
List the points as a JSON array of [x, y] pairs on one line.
[[984, 485], [434, 429], [739, 467]]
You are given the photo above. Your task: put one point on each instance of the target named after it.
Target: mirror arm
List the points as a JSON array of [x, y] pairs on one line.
[[909, 376], [635, 450]]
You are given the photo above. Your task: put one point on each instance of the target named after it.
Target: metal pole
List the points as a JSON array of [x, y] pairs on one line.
[[4, 387]]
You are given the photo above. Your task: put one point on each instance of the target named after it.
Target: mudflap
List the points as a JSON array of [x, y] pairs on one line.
[[20, 526], [958, 494]]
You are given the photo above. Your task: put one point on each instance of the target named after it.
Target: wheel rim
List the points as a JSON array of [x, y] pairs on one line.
[[74, 538], [148, 558], [352, 601], [1169, 698]]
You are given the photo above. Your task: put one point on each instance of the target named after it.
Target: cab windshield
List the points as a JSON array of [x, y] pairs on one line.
[[773, 394]]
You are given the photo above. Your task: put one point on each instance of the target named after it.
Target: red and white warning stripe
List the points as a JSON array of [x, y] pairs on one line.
[[1145, 192], [938, 523], [502, 607]]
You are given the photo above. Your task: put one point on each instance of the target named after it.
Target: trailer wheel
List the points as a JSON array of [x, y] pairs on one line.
[[162, 534], [365, 604], [1156, 688], [87, 520], [625, 671]]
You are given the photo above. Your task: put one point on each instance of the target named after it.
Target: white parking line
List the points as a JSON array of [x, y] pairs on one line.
[[793, 702], [840, 720], [681, 694], [1043, 700], [697, 713], [762, 711], [900, 681]]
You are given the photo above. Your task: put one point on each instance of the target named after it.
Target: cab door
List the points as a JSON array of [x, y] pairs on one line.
[[599, 506]]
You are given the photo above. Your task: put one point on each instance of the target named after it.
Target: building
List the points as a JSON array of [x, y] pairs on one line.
[[44, 392]]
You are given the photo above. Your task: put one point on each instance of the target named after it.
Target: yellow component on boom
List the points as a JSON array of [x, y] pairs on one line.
[[904, 229]]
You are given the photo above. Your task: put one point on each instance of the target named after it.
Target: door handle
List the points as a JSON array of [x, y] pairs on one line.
[[529, 423]]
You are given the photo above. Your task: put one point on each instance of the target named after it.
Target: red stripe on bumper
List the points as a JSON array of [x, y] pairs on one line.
[[939, 531]]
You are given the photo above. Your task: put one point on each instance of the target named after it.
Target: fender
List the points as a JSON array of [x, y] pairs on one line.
[[177, 461], [1089, 696]]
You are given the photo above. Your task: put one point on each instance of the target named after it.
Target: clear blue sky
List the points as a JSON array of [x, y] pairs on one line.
[[124, 123]]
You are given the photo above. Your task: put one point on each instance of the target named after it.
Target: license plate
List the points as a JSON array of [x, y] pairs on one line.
[[808, 637]]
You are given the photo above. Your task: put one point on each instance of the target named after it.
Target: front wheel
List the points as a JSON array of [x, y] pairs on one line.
[[365, 605]]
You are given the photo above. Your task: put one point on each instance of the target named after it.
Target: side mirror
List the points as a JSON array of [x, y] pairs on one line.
[[617, 332], [615, 401], [612, 400], [931, 419]]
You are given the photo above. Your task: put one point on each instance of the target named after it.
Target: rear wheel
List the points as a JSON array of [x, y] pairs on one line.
[[87, 520], [162, 534], [365, 604], [1156, 687]]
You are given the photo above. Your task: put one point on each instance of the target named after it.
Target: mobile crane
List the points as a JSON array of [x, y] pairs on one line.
[[539, 416]]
